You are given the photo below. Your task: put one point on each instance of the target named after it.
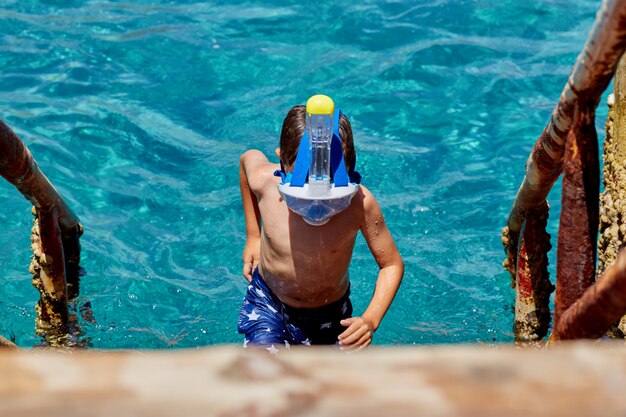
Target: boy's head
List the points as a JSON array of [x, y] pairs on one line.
[[294, 127]]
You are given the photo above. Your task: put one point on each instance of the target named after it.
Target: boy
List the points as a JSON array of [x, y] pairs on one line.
[[299, 286]]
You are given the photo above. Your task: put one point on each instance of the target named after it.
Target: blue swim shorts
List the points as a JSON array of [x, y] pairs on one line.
[[265, 320]]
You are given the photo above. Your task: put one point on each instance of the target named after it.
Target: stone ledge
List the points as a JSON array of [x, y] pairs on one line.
[[577, 379]]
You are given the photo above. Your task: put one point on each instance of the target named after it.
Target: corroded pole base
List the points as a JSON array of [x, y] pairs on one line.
[[527, 262], [52, 313], [532, 301]]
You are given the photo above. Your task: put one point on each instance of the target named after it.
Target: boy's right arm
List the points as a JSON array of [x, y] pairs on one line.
[[250, 162]]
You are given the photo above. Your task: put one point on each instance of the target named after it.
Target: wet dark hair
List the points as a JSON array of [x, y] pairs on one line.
[[294, 126]]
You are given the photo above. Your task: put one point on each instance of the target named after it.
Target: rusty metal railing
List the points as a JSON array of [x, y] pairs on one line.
[[567, 145], [55, 237]]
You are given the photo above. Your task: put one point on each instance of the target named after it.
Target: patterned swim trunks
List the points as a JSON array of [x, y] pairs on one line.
[[265, 320]]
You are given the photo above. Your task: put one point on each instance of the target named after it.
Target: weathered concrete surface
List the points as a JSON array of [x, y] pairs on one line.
[[568, 380]]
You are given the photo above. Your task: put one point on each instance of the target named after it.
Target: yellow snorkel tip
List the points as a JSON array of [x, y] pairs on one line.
[[320, 104]]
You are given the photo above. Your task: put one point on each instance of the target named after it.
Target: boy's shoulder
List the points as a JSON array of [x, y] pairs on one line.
[[259, 170], [369, 208], [367, 197]]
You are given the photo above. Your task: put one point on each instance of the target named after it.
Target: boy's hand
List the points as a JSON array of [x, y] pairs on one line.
[[251, 256], [357, 336]]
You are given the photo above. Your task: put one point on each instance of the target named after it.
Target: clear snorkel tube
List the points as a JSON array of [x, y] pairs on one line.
[[319, 125]]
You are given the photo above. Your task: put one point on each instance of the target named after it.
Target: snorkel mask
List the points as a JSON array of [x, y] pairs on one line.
[[310, 190]]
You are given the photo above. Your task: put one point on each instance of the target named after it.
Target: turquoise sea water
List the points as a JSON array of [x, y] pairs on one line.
[[138, 112]]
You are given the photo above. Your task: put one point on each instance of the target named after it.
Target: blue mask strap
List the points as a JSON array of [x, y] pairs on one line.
[[355, 177], [303, 161], [285, 177], [337, 164]]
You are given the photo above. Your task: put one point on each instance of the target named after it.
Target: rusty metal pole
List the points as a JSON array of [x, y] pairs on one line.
[[18, 166], [598, 308], [532, 301], [52, 312], [571, 122], [578, 227], [590, 76], [55, 239]]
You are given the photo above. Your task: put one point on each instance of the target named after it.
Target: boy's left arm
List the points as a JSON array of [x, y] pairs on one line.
[[360, 330]]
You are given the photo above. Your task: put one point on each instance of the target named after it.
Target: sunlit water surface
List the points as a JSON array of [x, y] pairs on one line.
[[138, 112]]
